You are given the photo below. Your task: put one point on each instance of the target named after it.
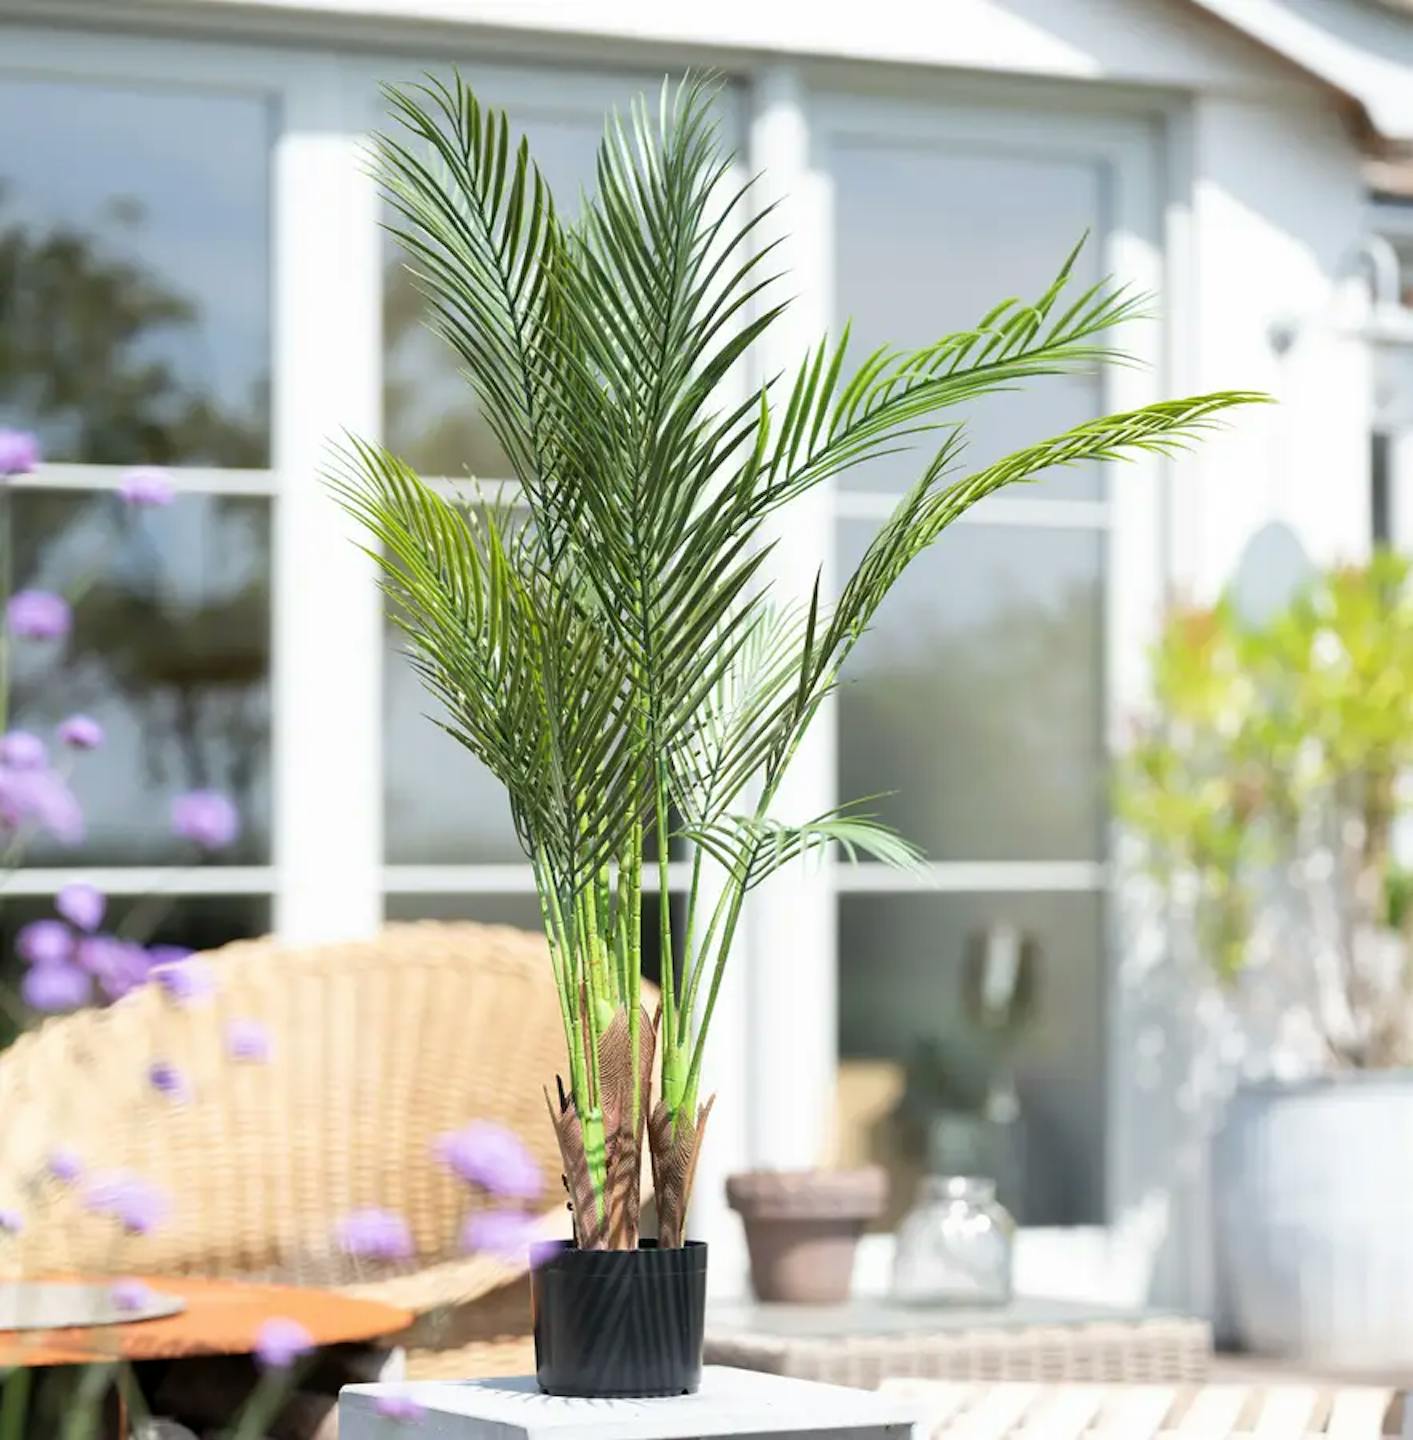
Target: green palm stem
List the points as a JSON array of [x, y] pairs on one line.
[[561, 964], [699, 963], [737, 891], [621, 911], [599, 990], [673, 1079], [633, 925], [602, 897], [692, 894]]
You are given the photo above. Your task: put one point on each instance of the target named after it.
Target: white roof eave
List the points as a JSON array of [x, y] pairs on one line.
[[1362, 49]]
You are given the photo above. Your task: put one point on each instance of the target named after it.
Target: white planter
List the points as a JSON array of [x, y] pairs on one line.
[[1314, 1219]]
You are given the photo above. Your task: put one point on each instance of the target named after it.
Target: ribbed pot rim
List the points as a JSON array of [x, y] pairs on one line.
[[564, 1256], [808, 1194]]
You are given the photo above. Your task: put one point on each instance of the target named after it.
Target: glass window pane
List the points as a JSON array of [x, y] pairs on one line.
[[929, 239], [976, 699], [199, 922], [430, 413], [523, 912], [169, 651], [912, 971], [135, 272], [441, 806]]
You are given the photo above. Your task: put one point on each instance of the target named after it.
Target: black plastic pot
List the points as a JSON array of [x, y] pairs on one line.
[[618, 1323]]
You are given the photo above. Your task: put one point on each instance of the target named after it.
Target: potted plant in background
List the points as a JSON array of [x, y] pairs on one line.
[[607, 640], [1268, 790]]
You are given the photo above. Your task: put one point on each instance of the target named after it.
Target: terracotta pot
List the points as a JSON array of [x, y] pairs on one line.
[[802, 1227]]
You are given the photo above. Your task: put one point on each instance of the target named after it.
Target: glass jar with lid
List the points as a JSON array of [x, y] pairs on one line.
[[954, 1246]]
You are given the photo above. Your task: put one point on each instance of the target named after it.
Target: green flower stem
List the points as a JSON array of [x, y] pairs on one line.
[[14, 1403], [6, 580], [266, 1401], [86, 1408]]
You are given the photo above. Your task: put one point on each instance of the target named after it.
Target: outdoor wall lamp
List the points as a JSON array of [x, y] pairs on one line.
[[1368, 306]]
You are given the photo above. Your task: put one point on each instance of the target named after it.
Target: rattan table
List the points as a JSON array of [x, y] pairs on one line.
[[868, 1341]]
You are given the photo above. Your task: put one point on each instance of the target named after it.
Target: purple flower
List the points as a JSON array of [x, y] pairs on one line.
[[505, 1234], [81, 905], [11, 1221], [81, 732], [131, 1295], [118, 965], [64, 1165], [146, 487], [166, 1079], [52, 988], [42, 798], [19, 452], [183, 978], [375, 1234], [45, 942], [248, 1040], [22, 751], [38, 615], [400, 1409], [206, 818], [483, 1153], [138, 1206], [280, 1342]]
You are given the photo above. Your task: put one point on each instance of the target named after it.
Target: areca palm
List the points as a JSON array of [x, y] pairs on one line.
[[609, 645]]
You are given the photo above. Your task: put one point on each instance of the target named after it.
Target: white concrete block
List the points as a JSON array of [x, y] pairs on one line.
[[741, 1404]]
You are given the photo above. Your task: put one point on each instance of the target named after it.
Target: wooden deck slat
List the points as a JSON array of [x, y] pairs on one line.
[[940, 1401], [1289, 1410], [1135, 1412], [1216, 1410], [1357, 1412], [1000, 1410], [1065, 1413]]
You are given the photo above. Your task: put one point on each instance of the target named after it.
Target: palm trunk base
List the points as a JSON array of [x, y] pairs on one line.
[[675, 1143], [609, 1222]]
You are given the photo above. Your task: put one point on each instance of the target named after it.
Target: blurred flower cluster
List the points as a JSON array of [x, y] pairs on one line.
[[71, 960]]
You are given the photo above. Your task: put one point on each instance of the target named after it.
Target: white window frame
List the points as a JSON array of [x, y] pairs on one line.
[[327, 876]]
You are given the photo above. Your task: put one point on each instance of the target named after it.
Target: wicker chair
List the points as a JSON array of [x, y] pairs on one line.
[[375, 1048]]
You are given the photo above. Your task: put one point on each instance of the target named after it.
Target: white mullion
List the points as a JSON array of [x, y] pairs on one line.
[[327, 680], [791, 931], [143, 880], [194, 480], [507, 879], [973, 877], [997, 510]]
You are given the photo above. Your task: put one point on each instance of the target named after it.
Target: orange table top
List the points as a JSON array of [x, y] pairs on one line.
[[222, 1317]]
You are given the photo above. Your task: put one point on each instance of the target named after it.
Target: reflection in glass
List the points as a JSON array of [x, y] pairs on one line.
[[430, 414], [170, 652], [907, 995], [134, 272], [440, 804], [929, 239], [200, 922], [523, 912], [976, 700]]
